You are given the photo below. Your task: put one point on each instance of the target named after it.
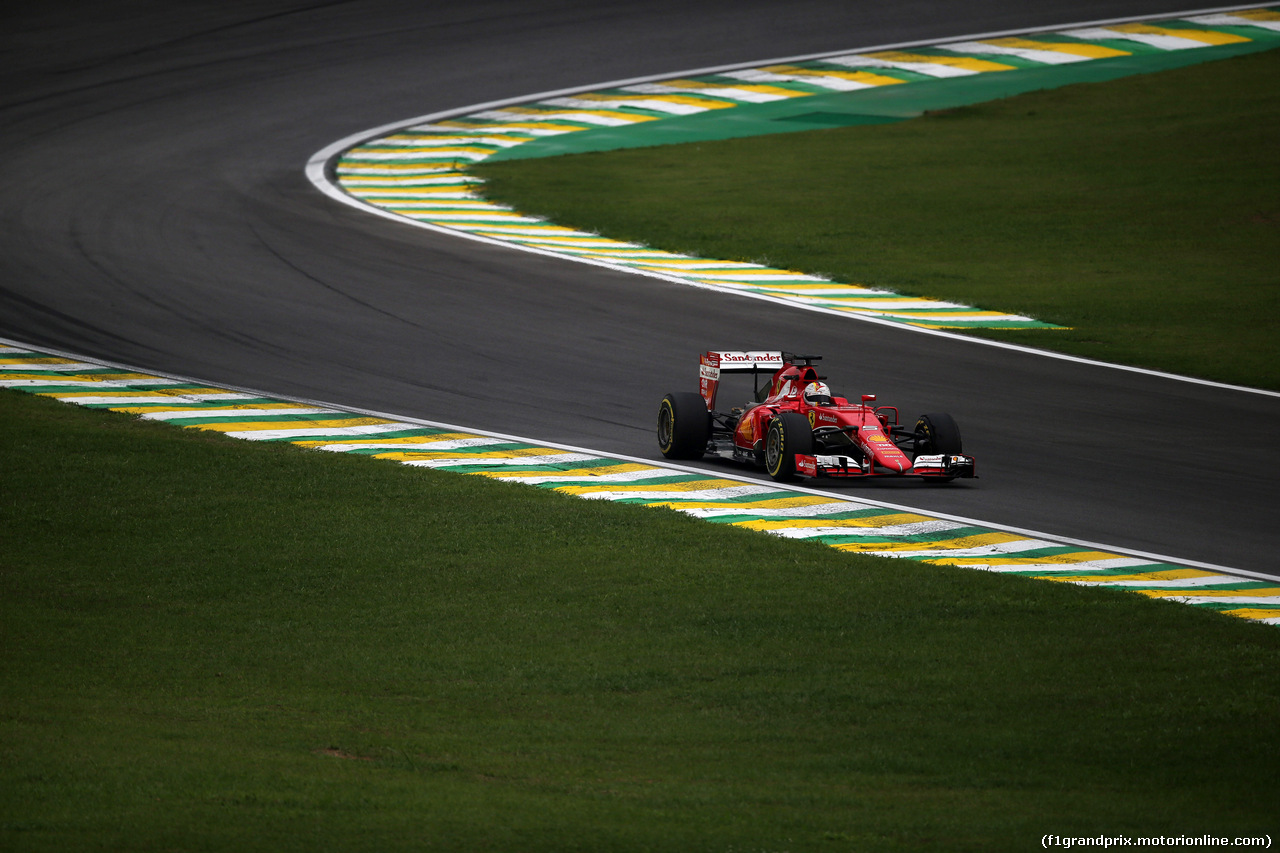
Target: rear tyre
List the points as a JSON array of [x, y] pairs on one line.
[[938, 433], [789, 433], [684, 425]]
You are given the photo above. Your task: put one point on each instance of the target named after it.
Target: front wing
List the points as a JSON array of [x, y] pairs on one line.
[[941, 466]]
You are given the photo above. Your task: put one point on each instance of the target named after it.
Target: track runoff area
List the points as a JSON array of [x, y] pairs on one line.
[[417, 171], [844, 523]]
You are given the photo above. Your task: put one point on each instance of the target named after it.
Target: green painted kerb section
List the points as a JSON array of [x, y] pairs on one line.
[[419, 172], [880, 105]]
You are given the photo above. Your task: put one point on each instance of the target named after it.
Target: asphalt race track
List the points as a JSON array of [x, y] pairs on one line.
[[155, 213]]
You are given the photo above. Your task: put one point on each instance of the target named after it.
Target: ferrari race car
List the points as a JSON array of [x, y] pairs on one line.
[[794, 427]]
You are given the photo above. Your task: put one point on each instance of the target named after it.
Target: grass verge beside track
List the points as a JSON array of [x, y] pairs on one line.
[[1141, 212], [212, 644]]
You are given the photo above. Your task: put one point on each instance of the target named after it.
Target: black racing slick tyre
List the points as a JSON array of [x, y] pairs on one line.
[[684, 425], [789, 433], [938, 433]]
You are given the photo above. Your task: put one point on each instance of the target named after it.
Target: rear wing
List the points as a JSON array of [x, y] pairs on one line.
[[713, 363]]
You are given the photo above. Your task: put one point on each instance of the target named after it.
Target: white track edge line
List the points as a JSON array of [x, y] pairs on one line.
[[684, 469], [317, 173]]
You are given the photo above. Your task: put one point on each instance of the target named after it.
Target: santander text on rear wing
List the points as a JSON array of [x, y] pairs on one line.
[[714, 363]]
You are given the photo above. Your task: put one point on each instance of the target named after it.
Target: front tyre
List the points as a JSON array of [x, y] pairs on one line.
[[938, 434], [684, 425], [789, 433]]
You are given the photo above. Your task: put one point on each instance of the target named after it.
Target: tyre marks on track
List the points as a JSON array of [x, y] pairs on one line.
[[845, 523]]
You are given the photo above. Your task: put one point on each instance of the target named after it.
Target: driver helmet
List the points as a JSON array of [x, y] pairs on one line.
[[817, 394]]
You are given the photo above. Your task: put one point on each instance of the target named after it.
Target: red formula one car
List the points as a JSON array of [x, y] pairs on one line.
[[795, 427]]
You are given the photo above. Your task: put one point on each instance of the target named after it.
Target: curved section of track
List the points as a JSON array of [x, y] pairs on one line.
[[419, 172], [154, 213]]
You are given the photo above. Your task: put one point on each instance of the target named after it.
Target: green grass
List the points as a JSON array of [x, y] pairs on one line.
[[210, 645], [1143, 212]]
